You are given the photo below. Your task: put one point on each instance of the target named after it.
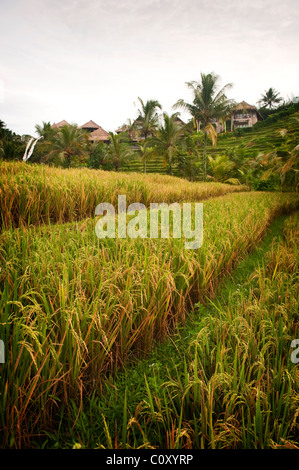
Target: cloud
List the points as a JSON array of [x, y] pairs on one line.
[[91, 59]]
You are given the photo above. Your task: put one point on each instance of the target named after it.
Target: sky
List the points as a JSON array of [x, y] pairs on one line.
[[91, 59]]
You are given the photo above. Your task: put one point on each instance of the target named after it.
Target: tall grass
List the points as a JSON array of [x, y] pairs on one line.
[[74, 308], [35, 194]]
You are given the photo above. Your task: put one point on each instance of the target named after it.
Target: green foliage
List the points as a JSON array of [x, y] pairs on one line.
[[270, 99], [272, 117], [146, 151], [242, 131], [147, 120], [97, 154], [208, 103], [119, 151], [12, 145], [186, 167], [69, 145], [271, 184], [221, 168], [167, 139]]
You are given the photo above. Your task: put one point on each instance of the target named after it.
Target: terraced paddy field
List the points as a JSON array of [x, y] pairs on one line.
[[78, 311], [280, 136], [35, 194]]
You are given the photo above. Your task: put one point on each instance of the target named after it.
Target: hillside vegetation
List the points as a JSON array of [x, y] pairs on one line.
[[276, 134]]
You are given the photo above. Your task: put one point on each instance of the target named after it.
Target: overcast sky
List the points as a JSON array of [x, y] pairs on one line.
[[91, 59]]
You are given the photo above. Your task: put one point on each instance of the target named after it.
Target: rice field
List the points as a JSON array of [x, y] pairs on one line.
[[35, 194], [76, 309], [228, 380], [267, 138]]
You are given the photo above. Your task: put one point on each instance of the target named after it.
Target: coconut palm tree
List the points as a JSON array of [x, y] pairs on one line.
[[118, 151], [209, 103], [270, 99], [68, 142], [46, 131], [148, 118], [167, 138], [145, 151]]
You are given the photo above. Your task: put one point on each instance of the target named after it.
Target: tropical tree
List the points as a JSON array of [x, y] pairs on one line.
[[285, 167], [209, 103], [46, 131], [221, 168], [97, 152], [270, 99], [188, 154], [167, 138], [67, 143], [2, 127], [119, 151], [129, 128], [44, 145], [148, 118], [12, 145], [145, 151]]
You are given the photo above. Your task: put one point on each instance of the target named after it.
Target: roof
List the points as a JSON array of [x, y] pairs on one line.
[[90, 125], [99, 134], [243, 106], [124, 128], [180, 121], [61, 124]]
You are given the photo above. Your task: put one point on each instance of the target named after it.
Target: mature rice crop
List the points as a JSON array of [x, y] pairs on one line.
[[35, 194], [236, 385], [74, 308]]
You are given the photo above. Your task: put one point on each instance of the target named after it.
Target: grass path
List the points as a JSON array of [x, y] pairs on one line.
[[135, 407]]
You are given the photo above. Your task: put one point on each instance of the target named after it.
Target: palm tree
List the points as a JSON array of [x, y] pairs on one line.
[[168, 137], [46, 131], [68, 142], [209, 103], [118, 151], [221, 167], [286, 167], [270, 98], [148, 118], [145, 152]]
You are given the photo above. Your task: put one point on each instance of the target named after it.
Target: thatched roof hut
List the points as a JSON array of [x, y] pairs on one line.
[[243, 106], [99, 134], [60, 124], [90, 126]]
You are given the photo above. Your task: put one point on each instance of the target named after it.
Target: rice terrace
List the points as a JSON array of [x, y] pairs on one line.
[[135, 341]]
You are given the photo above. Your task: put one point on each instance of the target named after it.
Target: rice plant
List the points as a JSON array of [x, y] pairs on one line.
[[35, 194], [234, 385], [75, 308]]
